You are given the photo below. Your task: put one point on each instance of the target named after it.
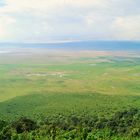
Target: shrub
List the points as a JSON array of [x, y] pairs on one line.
[[24, 124]]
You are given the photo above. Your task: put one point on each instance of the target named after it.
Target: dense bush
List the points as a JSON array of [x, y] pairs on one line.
[[122, 125], [24, 124]]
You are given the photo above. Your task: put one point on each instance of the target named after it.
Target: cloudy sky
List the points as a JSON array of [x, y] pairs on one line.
[[69, 20]]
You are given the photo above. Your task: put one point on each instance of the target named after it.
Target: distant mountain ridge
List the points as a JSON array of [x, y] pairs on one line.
[[82, 45]]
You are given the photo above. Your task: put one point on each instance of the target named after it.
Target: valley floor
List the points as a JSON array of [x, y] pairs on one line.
[[36, 84]]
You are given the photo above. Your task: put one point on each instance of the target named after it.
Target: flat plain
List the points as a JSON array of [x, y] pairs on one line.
[[43, 82]]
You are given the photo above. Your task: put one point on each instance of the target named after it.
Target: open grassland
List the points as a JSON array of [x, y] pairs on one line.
[[69, 95], [63, 82]]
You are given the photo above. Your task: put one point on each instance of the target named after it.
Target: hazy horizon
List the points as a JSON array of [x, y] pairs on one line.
[[79, 45]]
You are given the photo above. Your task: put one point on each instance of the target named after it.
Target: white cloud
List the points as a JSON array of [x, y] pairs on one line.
[[127, 27], [6, 23], [44, 20]]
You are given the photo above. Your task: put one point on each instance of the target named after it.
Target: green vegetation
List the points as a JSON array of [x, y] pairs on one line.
[[122, 125], [81, 98]]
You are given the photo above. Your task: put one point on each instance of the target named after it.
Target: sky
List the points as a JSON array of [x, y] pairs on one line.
[[69, 20]]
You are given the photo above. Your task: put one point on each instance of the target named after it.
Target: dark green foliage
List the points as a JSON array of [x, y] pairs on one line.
[[24, 124], [2, 124], [6, 133], [122, 125]]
